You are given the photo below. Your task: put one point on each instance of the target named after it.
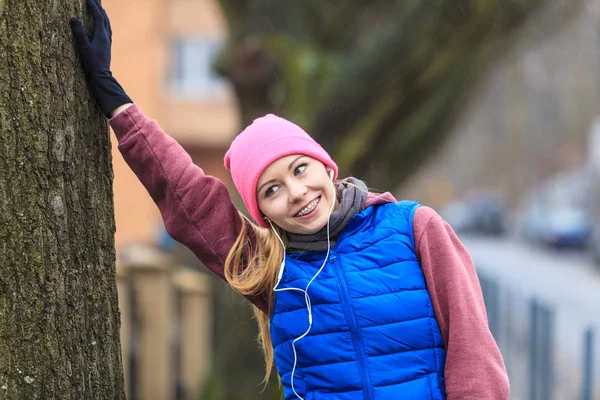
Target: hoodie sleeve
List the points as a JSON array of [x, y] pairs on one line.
[[196, 208], [474, 367]]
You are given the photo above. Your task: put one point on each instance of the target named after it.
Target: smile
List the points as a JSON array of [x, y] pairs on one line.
[[309, 207]]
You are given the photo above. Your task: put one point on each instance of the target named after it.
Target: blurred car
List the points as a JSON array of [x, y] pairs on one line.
[[458, 215], [488, 215], [559, 226], [567, 226], [559, 212], [477, 214]]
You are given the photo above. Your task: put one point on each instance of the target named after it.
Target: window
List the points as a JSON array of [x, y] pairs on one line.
[[192, 74]]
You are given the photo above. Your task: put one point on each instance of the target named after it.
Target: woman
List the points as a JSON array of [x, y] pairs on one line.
[[357, 296]]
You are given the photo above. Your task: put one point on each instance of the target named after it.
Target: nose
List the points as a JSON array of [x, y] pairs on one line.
[[297, 191]]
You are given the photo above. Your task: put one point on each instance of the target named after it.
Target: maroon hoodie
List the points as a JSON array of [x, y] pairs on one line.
[[197, 212]]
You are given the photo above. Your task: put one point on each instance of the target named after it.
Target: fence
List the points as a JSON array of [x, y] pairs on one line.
[[165, 325], [541, 365], [549, 351]]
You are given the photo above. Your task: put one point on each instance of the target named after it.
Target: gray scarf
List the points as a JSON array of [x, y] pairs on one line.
[[351, 201]]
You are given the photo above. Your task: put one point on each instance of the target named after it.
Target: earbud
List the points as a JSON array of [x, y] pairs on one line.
[[331, 174]]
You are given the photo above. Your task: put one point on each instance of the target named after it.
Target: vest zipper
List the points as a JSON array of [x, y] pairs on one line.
[[354, 329]]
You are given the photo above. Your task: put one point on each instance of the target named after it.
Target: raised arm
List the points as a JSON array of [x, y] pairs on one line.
[[195, 207]]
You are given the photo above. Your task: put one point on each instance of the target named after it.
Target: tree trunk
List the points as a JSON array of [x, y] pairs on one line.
[[59, 317]]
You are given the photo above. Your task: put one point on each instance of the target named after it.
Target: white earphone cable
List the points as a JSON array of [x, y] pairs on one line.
[[305, 290]]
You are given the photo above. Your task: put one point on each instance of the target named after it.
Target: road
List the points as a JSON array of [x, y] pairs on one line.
[[565, 280]]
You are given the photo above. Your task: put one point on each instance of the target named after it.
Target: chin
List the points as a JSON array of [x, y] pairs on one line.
[[310, 229]]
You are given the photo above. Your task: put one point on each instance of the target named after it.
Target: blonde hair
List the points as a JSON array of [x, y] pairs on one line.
[[253, 271]]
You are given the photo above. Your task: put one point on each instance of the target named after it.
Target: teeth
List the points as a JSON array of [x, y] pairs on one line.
[[311, 206]]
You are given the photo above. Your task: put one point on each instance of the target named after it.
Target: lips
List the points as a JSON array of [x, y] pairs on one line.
[[309, 208]]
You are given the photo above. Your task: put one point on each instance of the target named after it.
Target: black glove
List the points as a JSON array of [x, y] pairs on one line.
[[95, 58]]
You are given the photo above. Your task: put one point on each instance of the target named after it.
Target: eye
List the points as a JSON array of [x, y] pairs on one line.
[[271, 190], [299, 169]]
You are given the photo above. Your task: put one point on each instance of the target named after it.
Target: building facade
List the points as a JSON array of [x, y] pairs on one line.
[[162, 55]]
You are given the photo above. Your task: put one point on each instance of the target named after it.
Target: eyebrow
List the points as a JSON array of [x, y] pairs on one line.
[[289, 168]]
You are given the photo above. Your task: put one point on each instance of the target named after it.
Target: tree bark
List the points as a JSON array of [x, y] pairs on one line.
[[59, 316]]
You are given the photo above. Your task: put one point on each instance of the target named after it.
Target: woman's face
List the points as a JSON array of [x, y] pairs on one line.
[[296, 193]]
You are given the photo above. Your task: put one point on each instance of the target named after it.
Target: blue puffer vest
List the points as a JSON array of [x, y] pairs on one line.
[[374, 334]]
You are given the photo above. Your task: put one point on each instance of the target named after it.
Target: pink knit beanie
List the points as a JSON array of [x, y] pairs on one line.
[[266, 140]]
